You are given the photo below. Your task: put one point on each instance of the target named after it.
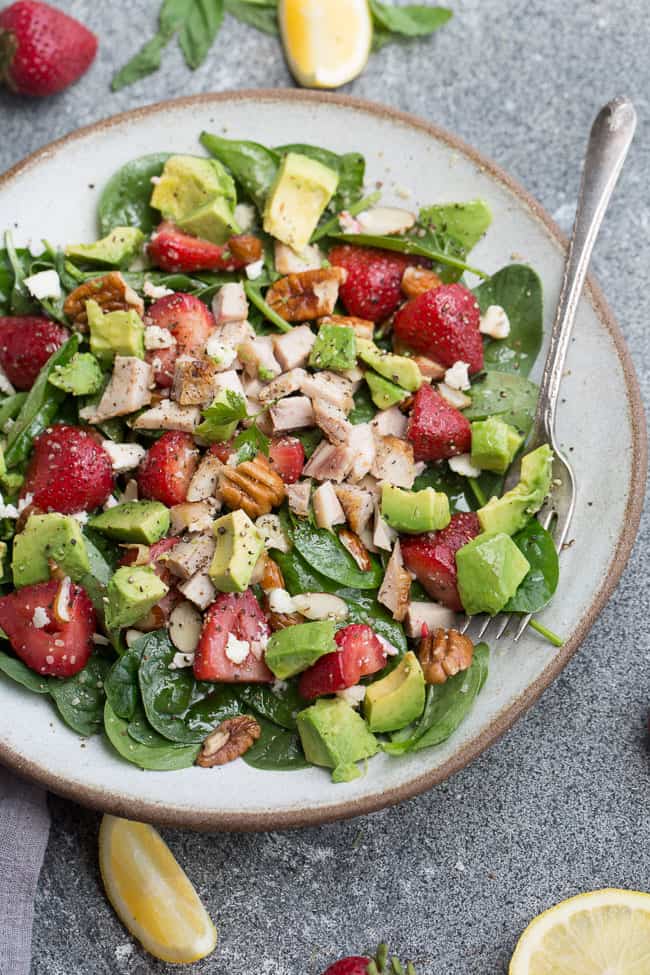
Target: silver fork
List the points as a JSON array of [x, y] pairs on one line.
[[609, 141]]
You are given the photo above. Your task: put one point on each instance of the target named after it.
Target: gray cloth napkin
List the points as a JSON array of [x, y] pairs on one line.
[[24, 828]]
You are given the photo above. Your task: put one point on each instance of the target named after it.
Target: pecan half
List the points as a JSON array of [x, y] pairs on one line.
[[111, 292], [245, 248], [231, 739], [306, 295], [417, 280], [356, 548], [253, 486], [443, 654]]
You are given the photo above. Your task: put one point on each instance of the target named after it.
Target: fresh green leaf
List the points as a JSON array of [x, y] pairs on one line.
[[464, 222], [124, 201], [121, 686], [249, 443], [278, 706], [322, 550], [539, 585], [97, 578], [20, 300], [309, 439], [253, 166], [161, 758], [441, 478], [263, 17], [332, 226], [17, 671], [145, 62], [10, 406], [230, 412], [199, 30], [254, 295], [277, 750], [446, 253], [518, 289], [80, 699], [364, 410], [414, 20], [506, 395]]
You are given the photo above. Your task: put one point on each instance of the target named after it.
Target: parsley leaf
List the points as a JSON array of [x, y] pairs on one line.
[[222, 416], [249, 443]]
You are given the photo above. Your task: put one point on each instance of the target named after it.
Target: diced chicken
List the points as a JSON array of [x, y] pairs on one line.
[[124, 456], [258, 357], [252, 386], [229, 336], [191, 555], [204, 483], [287, 261], [332, 421], [424, 618], [370, 483], [396, 587], [156, 337], [195, 381], [330, 387], [293, 348], [383, 535], [299, 497], [394, 462], [354, 376], [329, 463], [199, 590], [191, 516], [230, 303], [284, 385], [229, 380], [128, 390], [361, 443], [357, 504], [168, 415], [390, 422], [292, 413], [363, 328], [270, 528], [130, 492], [327, 508]]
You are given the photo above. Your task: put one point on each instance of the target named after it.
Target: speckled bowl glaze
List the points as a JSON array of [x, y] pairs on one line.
[[53, 194]]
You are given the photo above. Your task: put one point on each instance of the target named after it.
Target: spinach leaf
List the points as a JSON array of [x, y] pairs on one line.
[[447, 255], [161, 758], [125, 198], [277, 750], [364, 410], [98, 576], [309, 439], [80, 699], [16, 670], [465, 222], [441, 478], [40, 407], [259, 15], [332, 226], [280, 707], [506, 395], [323, 551], [252, 165], [121, 685], [414, 20], [10, 407], [254, 295], [540, 584], [20, 300], [201, 26], [518, 290], [141, 731]]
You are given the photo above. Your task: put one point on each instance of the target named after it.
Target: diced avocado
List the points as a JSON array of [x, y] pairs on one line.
[[132, 591], [209, 429], [239, 546], [397, 699], [302, 190], [335, 736], [3, 466], [383, 392], [514, 510], [4, 551], [414, 511], [294, 649], [334, 348], [213, 221], [81, 376], [188, 183], [143, 522], [494, 444], [116, 333], [490, 570], [399, 369], [12, 481], [116, 250], [48, 537]]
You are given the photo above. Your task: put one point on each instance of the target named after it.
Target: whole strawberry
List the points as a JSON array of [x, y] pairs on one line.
[[42, 50], [381, 964]]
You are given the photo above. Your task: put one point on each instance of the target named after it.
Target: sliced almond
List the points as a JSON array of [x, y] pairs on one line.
[[61, 605], [386, 220], [454, 396], [320, 606], [185, 624]]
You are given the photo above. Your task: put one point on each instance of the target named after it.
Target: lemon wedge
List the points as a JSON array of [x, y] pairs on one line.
[[606, 932], [151, 894], [327, 42]]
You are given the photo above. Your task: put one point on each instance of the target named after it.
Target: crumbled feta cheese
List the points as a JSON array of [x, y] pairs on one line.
[[391, 650], [40, 618], [156, 337], [8, 510], [278, 687], [156, 291], [124, 456], [348, 223], [495, 323], [353, 695], [110, 502], [462, 465], [458, 376], [25, 502], [45, 284], [280, 601], [254, 270], [181, 660], [223, 355], [245, 216], [5, 383], [270, 528], [81, 517], [237, 650]]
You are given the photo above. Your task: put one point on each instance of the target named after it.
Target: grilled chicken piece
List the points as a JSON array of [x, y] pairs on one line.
[[284, 385], [194, 381], [199, 590], [332, 421], [127, 391], [205, 482], [395, 589], [327, 509], [330, 387], [288, 262], [292, 413], [423, 618], [259, 358], [358, 505], [167, 415], [299, 496], [329, 463], [293, 348], [394, 462], [390, 422], [383, 535], [191, 516], [191, 555], [362, 444], [230, 303]]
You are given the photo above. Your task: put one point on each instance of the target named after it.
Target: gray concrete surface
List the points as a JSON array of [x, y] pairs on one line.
[[561, 803]]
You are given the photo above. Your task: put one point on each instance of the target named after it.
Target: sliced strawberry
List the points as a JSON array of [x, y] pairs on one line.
[[432, 557], [373, 289], [436, 428], [26, 343], [58, 649], [190, 322], [354, 965], [167, 468], [69, 471], [444, 325], [287, 456], [360, 654], [173, 251], [238, 615]]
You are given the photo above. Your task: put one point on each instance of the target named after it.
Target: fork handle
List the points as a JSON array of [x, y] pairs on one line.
[[609, 141]]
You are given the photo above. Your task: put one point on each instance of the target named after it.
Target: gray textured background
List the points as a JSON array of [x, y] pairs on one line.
[[561, 803]]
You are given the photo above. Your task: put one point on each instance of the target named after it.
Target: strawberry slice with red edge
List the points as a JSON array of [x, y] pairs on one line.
[[69, 471], [167, 468], [222, 450], [360, 654], [238, 615], [443, 324], [26, 343], [436, 428], [354, 965], [60, 647], [381, 964], [432, 557], [176, 252], [372, 289], [287, 457], [190, 322]]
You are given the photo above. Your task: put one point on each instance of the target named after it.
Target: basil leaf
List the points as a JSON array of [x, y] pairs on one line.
[[252, 165], [540, 584], [144, 63], [322, 550], [161, 758], [415, 20], [518, 290], [277, 750], [80, 699], [260, 16], [125, 198], [15, 669], [199, 30]]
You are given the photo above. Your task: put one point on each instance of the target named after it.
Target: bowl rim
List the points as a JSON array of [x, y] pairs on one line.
[[147, 811]]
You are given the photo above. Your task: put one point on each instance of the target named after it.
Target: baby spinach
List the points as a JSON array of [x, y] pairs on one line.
[[20, 300], [506, 395], [322, 550], [518, 289], [278, 706], [277, 750], [254, 295], [201, 26], [161, 758], [125, 198], [17, 671], [332, 226], [141, 731], [464, 222], [253, 166], [540, 584], [364, 410], [121, 685], [97, 578], [10, 407], [80, 699], [441, 478]]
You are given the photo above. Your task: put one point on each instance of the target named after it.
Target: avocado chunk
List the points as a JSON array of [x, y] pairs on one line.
[[187, 183], [414, 511], [494, 444], [118, 249], [239, 546], [383, 392], [514, 510], [334, 348], [302, 189], [397, 699], [48, 537], [399, 369], [335, 736], [490, 570], [132, 591], [116, 333], [81, 376], [143, 522], [213, 221], [294, 649]]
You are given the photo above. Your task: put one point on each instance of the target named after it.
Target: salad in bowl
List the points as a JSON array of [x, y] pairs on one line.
[[255, 441]]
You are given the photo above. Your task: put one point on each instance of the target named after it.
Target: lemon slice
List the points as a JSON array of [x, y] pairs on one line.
[[151, 894], [606, 932], [327, 42]]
